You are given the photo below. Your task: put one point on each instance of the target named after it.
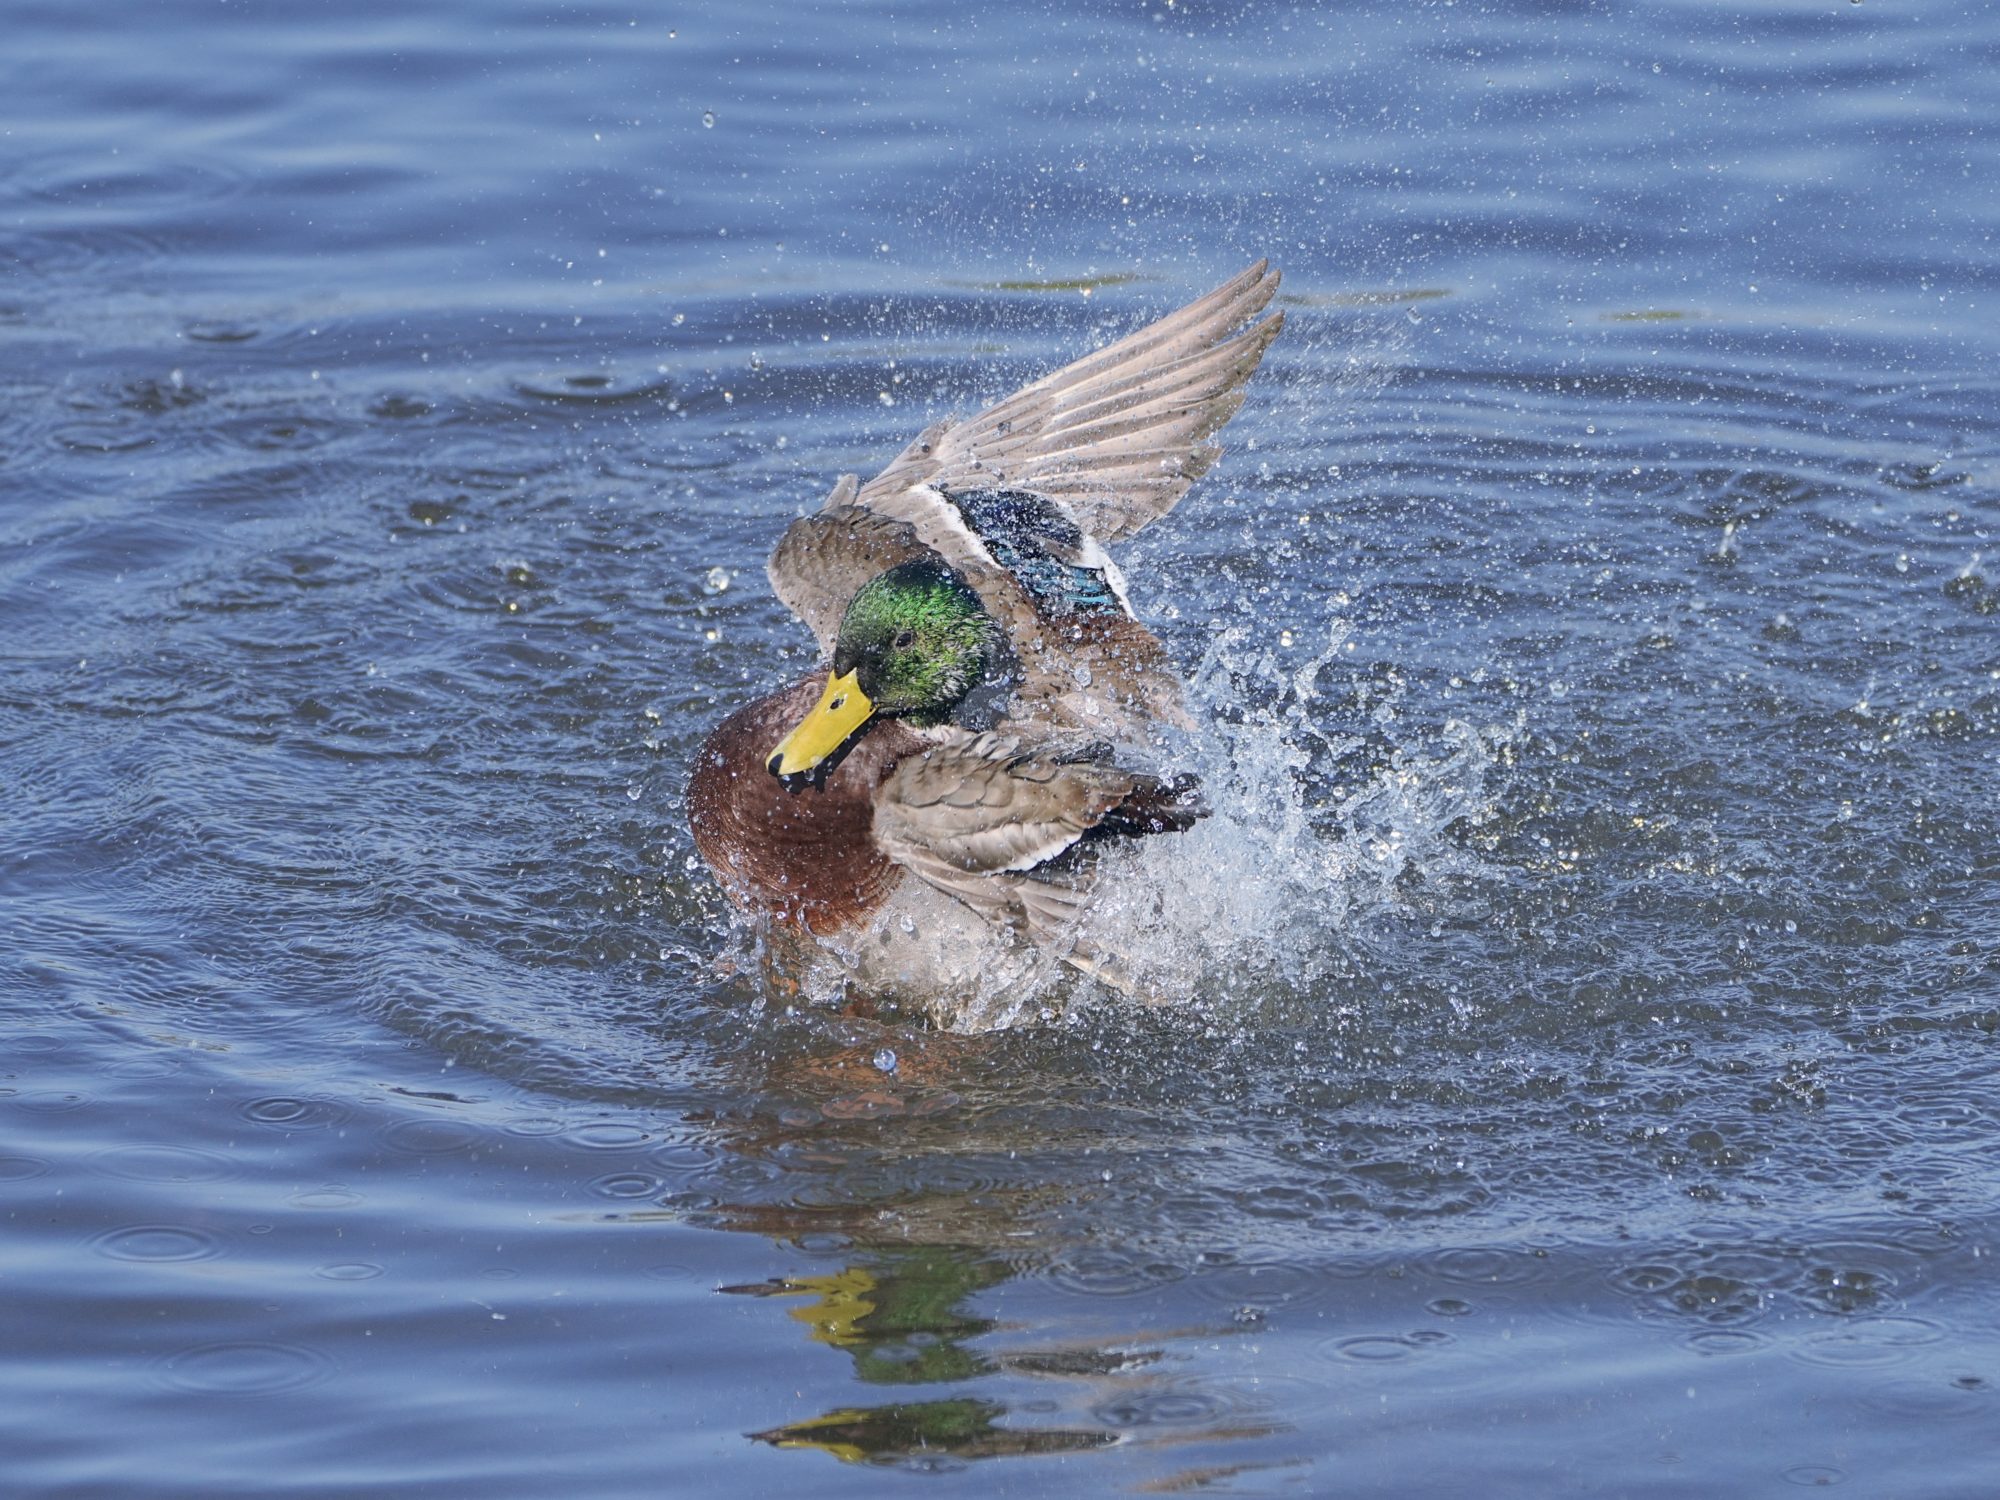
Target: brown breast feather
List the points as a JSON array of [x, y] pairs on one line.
[[808, 857]]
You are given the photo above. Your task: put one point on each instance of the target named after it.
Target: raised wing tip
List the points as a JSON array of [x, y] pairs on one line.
[[1247, 293], [1256, 272]]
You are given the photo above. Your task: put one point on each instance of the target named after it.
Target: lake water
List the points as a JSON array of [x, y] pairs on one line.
[[1583, 1081]]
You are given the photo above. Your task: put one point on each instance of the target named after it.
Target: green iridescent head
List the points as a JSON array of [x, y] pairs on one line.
[[918, 640], [914, 641]]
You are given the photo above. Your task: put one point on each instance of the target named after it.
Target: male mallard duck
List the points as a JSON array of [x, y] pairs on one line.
[[924, 802]]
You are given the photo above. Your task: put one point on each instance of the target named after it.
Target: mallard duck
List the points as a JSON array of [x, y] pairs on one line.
[[923, 813]]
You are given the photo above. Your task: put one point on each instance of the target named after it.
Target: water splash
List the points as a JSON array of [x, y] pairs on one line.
[[1257, 909]]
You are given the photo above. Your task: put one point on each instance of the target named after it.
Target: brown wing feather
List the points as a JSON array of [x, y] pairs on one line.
[[981, 817], [1117, 436], [985, 805], [822, 560]]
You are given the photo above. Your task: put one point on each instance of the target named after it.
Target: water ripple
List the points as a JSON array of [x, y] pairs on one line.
[[1175, 1405], [1866, 1343], [1726, 1341], [1111, 1273], [1263, 1284], [349, 1270], [165, 1164], [607, 1135], [1373, 1348], [627, 1185], [283, 1112], [595, 387], [157, 1243], [330, 1196], [431, 1137], [50, 1101], [1474, 1265], [247, 1368]]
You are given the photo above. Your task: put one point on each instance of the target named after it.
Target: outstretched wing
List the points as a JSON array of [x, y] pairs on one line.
[[1116, 437]]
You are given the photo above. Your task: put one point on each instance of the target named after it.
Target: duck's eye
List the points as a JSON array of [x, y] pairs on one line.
[[905, 639]]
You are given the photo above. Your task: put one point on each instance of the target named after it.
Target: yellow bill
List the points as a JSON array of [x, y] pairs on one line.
[[843, 708]]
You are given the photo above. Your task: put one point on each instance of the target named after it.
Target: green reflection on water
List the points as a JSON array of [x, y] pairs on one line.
[[897, 1314], [963, 1428]]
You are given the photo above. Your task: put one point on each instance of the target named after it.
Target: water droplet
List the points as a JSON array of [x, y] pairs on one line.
[[885, 1061], [715, 581], [708, 119]]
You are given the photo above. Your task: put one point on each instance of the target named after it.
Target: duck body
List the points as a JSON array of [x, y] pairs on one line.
[[922, 819]]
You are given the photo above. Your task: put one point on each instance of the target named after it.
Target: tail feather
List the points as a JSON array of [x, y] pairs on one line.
[[1155, 806]]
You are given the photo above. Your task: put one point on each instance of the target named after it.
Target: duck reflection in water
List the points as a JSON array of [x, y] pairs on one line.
[[903, 1315], [911, 1264]]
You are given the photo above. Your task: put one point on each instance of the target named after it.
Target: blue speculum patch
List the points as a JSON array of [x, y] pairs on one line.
[[1031, 537]]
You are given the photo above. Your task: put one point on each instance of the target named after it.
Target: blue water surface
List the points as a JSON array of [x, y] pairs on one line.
[[1583, 1079]]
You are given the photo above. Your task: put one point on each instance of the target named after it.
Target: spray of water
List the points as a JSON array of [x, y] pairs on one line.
[[1249, 917], [1254, 910]]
